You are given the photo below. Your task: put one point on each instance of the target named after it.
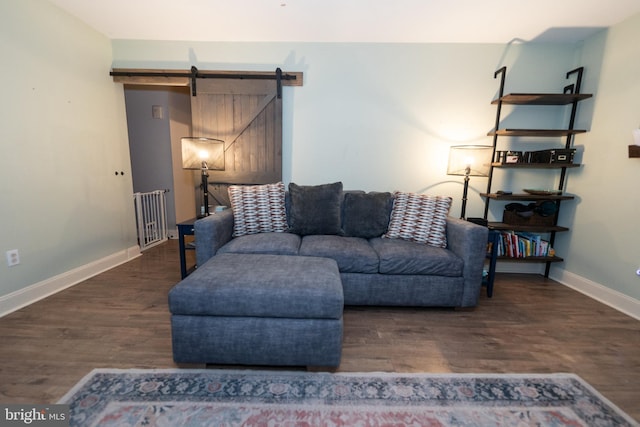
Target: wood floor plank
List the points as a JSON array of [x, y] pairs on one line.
[[120, 319]]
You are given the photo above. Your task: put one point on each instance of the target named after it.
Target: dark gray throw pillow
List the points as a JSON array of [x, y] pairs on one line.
[[366, 215], [315, 209]]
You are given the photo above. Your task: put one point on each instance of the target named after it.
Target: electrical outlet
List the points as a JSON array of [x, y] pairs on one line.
[[13, 257]]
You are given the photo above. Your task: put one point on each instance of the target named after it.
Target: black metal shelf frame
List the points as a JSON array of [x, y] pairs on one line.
[[570, 97]]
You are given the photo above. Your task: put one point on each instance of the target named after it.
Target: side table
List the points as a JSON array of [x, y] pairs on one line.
[[185, 228], [492, 255]]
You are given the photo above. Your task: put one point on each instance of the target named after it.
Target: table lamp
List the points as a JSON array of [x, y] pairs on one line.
[[469, 160], [203, 154]]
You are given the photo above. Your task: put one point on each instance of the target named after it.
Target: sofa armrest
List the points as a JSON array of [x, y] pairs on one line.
[[211, 233], [469, 242]]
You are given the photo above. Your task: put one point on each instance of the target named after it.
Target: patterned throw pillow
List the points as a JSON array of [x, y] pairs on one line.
[[258, 208], [419, 218]]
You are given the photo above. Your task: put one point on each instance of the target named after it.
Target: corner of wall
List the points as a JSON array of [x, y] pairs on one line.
[[614, 299], [38, 291]]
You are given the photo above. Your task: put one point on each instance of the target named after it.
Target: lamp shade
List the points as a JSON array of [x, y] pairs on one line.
[[475, 158], [197, 150]]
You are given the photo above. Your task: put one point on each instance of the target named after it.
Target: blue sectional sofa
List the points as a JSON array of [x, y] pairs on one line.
[[275, 271], [374, 270]]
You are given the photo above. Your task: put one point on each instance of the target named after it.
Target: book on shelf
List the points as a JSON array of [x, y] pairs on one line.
[[515, 244]]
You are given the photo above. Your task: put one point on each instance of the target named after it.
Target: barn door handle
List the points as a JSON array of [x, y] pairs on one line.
[[279, 81], [194, 74]]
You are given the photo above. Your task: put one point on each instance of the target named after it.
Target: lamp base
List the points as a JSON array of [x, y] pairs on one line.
[[464, 195], [205, 191]]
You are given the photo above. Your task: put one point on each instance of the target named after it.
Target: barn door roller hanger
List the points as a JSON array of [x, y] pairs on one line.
[[194, 74]]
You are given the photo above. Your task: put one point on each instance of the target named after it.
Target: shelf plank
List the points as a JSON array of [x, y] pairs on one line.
[[501, 226], [531, 259], [536, 165], [547, 133], [541, 98], [527, 196]]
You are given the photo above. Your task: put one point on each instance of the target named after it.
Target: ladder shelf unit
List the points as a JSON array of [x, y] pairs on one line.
[[569, 97]]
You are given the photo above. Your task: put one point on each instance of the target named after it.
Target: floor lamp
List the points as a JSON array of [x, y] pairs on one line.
[[203, 154], [469, 160]]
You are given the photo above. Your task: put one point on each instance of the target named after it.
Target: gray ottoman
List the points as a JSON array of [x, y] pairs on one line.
[[252, 309]]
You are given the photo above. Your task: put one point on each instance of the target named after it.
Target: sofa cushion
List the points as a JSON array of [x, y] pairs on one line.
[[263, 243], [366, 215], [275, 286], [402, 257], [258, 208], [315, 209], [419, 218], [353, 254]]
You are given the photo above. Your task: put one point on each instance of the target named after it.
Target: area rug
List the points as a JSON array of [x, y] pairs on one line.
[[197, 398]]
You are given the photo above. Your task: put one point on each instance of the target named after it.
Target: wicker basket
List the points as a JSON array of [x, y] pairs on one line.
[[511, 217]]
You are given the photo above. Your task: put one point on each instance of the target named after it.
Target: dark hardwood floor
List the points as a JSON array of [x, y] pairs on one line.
[[120, 319]]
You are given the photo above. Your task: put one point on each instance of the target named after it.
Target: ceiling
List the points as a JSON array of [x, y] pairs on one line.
[[393, 21]]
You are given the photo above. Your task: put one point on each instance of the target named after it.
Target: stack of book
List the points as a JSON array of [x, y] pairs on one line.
[[515, 244]]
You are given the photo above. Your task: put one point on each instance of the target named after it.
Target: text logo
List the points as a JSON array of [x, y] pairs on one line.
[[34, 415]]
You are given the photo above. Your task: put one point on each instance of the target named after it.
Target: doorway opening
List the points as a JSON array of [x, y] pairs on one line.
[[157, 117]]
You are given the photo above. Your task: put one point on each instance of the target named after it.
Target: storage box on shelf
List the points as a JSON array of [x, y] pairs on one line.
[[512, 218]]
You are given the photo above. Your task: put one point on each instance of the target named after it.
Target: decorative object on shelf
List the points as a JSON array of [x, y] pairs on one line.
[[469, 160], [508, 156], [534, 213], [538, 192], [203, 154], [549, 156]]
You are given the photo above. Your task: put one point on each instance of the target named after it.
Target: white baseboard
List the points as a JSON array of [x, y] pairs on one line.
[[612, 298], [23, 297]]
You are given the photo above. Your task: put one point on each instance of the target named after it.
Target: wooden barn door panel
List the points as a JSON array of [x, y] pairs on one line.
[[247, 116]]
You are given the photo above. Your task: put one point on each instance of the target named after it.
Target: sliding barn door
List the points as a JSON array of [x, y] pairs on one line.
[[247, 115]]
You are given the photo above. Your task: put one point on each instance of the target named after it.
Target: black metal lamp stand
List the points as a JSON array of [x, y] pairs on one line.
[[205, 188], [467, 172]]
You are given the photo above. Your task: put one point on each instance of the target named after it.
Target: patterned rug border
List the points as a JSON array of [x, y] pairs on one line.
[[382, 375]]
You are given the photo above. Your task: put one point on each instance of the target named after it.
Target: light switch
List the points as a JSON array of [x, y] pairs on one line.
[[157, 112]]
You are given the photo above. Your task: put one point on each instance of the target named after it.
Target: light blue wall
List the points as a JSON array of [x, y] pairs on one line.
[[376, 116], [63, 135], [382, 117], [604, 243]]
